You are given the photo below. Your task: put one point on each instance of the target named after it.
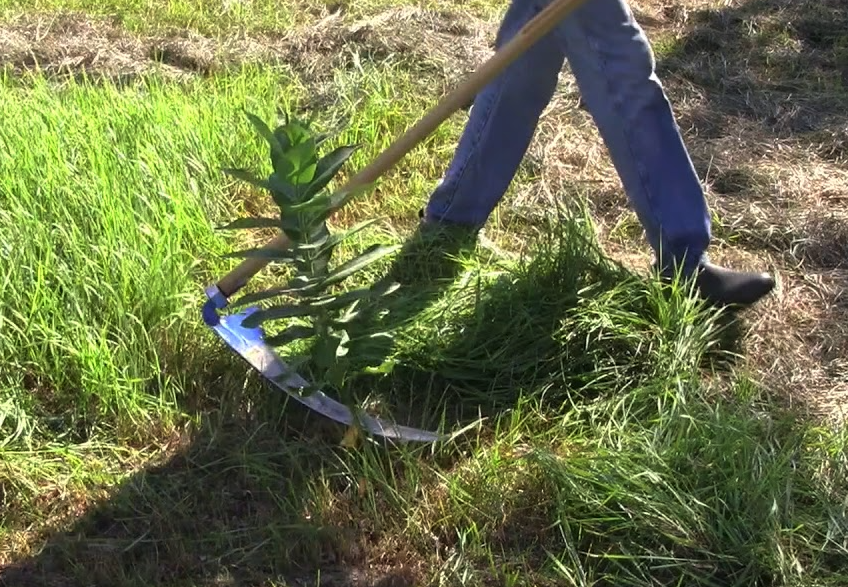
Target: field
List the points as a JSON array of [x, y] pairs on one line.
[[615, 435]]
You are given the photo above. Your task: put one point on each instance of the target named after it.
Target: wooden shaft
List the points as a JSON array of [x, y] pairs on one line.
[[530, 33]]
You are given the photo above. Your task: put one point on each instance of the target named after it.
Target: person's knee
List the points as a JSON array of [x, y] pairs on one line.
[[518, 13], [611, 54], [638, 86]]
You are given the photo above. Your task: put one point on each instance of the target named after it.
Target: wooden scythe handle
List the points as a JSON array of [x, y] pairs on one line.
[[534, 30]]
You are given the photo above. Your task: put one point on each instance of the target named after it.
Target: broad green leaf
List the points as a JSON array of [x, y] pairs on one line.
[[300, 281], [284, 193], [247, 176], [314, 246], [314, 206], [336, 376], [370, 256], [384, 368], [310, 227], [320, 267], [349, 313], [318, 236], [384, 288], [328, 203], [334, 302], [293, 229], [346, 319], [317, 300], [278, 156], [298, 131], [291, 132], [297, 286], [328, 166], [328, 349], [310, 213], [339, 237], [303, 160], [263, 130], [306, 245], [344, 339], [293, 222], [277, 313], [373, 348], [312, 219], [282, 138], [304, 267], [347, 298], [248, 223], [320, 208], [290, 334], [322, 138], [294, 235]]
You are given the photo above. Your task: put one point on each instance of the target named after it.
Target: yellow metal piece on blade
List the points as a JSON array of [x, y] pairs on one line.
[[351, 437]]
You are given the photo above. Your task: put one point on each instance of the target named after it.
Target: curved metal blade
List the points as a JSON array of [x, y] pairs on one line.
[[249, 344]]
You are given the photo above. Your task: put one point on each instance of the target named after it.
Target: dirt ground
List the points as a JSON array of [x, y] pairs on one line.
[[760, 88]]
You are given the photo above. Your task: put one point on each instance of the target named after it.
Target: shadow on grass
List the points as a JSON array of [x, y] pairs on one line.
[[782, 65], [567, 323], [239, 502], [262, 491]]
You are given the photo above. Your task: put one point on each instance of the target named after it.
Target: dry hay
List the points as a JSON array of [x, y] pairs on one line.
[[447, 44], [64, 43]]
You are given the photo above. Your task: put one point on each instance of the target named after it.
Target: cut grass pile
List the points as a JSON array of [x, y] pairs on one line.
[[214, 18], [612, 441]]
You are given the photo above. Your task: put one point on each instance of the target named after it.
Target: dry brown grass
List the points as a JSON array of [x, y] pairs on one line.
[[444, 45]]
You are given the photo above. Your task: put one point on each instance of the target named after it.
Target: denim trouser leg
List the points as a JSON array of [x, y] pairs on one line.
[[614, 68]]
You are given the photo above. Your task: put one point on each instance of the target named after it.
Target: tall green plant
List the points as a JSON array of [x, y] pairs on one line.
[[317, 309]]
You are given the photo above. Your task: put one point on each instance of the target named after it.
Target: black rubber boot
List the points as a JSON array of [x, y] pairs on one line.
[[726, 287]]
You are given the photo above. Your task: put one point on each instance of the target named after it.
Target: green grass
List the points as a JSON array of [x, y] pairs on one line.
[[108, 222], [610, 440], [106, 218]]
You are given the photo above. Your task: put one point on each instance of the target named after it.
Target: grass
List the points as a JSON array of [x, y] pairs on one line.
[[216, 18], [614, 435]]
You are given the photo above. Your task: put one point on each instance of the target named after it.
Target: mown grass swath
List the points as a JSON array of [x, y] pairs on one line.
[[213, 18]]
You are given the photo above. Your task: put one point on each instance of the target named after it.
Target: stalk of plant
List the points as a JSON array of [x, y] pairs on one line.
[[311, 304]]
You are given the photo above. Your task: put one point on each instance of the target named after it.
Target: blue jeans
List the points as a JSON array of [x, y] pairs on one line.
[[614, 67]]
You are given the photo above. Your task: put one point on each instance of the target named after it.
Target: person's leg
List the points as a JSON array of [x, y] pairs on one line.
[[500, 127], [614, 67]]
